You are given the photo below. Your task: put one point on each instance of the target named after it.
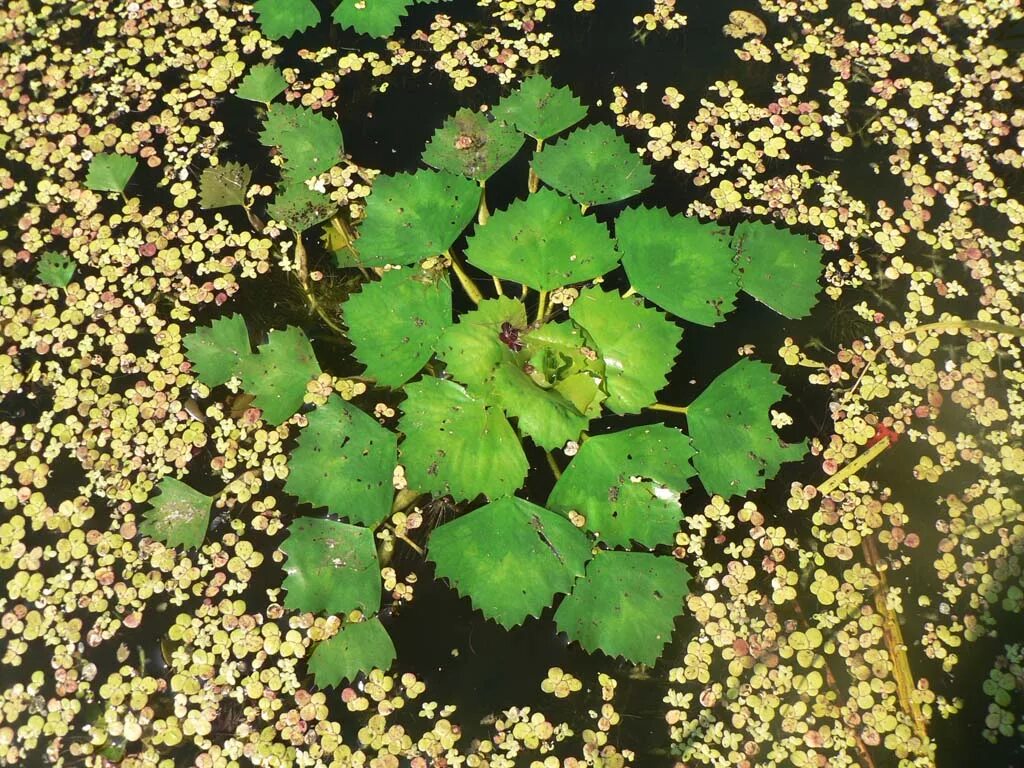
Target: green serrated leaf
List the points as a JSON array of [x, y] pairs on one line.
[[178, 516], [737, 448], [298, 207], [626, 605], [217, 350], [395, 323], [540, 110], [283, 18], [262, 83], [593, 165], [277, 376], [543, 242], [683, 265], [455, 444], [376, 18], [345, 461], [110, 172], [332, 567], [778, 267], [510, 557], [627, 485], [358, 648], [309, 142], [223, 185], [413, 216], [638, 345], [55, 269], [471, 145]]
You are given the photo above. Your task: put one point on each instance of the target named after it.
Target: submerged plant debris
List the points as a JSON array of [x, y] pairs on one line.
[[263, 405]]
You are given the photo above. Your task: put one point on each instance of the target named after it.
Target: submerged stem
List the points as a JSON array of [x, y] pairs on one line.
[[464, 280], [854, 466], [302, 269], [962, 325]]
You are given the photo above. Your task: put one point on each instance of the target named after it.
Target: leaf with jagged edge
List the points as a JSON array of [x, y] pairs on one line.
[[626, 605], [298, 207], [456, 444], [178, 516], [471, 145], [510, 557], [309, 142], [413, 216], [358, 648], [778, 267], [344, 461], [396, 322], [283, 18], [332, 567], [737, 449], [224, 185], [627, 485], [216, 351], [637, 343], [543, 242], [109, 172], [540, 110], [261, 83], [683, 265], [376, 18], [593, 165], [55, 269], [278, 374]]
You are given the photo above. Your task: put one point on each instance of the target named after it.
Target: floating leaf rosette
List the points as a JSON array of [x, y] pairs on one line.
[[359, 646], [178, 516], [540, 110], [471, 145], [778, 267]]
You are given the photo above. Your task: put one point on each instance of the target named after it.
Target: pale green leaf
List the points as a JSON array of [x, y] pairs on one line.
[[471, 145], [216, 351], [358, 648], [298, 207], [55, 269], [223, 185], [178, 516], [309, 142], [261, 83], [277, 376], [283, 18], [110, 172], [376, 18]]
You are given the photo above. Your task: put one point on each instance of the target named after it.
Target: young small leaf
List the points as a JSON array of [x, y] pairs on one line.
[[471, 145], [543, 242], [331, 567], [223, 185], [298, 207], [510, 557], [455, 444], [345, 461], [683, 265], [309, 142], [737, 448], [55, 269], [178, 516], [778, 267], [216, 350], [627, 485], [283, 18], [376, 18], [357, 648], [262, 83], [110, 172], [395, 323], [277, 376], [540, 110], [626, 605], [593, 165]]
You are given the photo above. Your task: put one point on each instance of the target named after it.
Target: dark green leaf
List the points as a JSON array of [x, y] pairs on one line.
[[55, 269], [283, 18], [278, 375], [376, 18], [217, 350], [778, 267], [539, 109], [262, 83], [358, 648], [110, 172], [178, 516], [309, 142]]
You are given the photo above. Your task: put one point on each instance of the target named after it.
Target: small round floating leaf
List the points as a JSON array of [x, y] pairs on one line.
[[109, 172], [540, 110], [298, 207], [277, 376], [455, 444], [510, 558], [345, 461], [737, 449], [178, 516], [309, 142], [55, 269], [358, 648], [413, 216], [395, 323], [376, 18], [216, 350], [778, 267], [261, 83], [543, 242], [332, 567], [471, 145], [283, 18], [683, 265], [626, 605], [223, 185], [627, 485], [638, 345], [593, 165]]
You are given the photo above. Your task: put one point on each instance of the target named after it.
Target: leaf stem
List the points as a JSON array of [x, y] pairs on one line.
[[523, 292], [584, 207], [542, 307], [464, 280], [553, 464], [483, 215], [854, 466], [669, 408], [302, 268], [497, 286], [630, 292], [534, 181]]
